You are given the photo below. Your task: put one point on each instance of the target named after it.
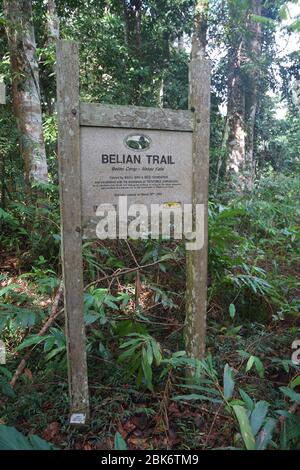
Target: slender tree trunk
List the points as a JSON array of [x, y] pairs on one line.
[[222, 153], [236, 119], [136, 16], [126, 23], [254, 52], [52, 22], [180, 43], [138, 23], [25, 88], [53, 28], [166, 51], [3, 187], [199, 37]]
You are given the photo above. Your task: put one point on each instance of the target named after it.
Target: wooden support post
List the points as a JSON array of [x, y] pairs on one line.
[[196, 292], [70, 205]]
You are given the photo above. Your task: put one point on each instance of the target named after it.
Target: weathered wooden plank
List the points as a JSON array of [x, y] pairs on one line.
[[2, 93], [89, 225], [70, 203], [196, 290], [134, 117]]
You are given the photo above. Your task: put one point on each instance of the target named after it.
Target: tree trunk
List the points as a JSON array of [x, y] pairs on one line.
[[166, 52], [138, 24], [126, 23], [52, 22], [236, 119], [135, 9], [180, 44], [253, 53], [25, 88], [200, 29]]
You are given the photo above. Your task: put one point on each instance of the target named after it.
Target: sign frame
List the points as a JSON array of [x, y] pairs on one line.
[[72, 114], [166, 181]]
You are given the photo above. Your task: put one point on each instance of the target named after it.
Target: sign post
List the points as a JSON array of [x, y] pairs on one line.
[[149, 157], [196, 261], [70, 206]]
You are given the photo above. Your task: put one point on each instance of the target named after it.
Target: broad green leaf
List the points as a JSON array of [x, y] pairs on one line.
[[3, 322], [55, 352], [127, 354], [228, 382], [247, 399], [49, 343], [130, 343], [149, 353], [291, 394], [6, 388], [237, 402], [250, 363], [90, 318], [11, 439], [195, 396], [110, 303], [156, 352], [295, 382], [147, 370], [243, 354], [201, 388], [139, 378], [5, 215], [26, 319], [259, 367], [135, 364], [232, 310], [245, 427], [283, 12], [120, 444], [32, 340], [5, 290], [258, 416], [168, 256], [6, 372], [88, 300], [295, 26], [265, 435], [38, 443]]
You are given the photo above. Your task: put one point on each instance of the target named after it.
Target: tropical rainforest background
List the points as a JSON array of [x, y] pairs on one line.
[[246, 392]]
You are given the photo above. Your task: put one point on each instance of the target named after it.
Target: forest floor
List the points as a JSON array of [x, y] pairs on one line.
[[149, 420]]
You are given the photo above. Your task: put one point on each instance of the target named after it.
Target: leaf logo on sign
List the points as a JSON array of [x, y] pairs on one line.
[[138, 142]]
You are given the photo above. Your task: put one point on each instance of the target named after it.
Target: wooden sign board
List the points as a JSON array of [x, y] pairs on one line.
[[151, 155], [2, 93], [149, 166]]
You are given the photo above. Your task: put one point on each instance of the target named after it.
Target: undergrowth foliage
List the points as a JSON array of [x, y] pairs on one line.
[[134, 317]]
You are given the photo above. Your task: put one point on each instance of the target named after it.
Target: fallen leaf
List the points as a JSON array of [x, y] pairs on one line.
[[87, 446], [51, 433], [138, 444]]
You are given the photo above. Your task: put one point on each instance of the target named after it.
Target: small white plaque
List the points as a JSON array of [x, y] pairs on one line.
[[78, 418]]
